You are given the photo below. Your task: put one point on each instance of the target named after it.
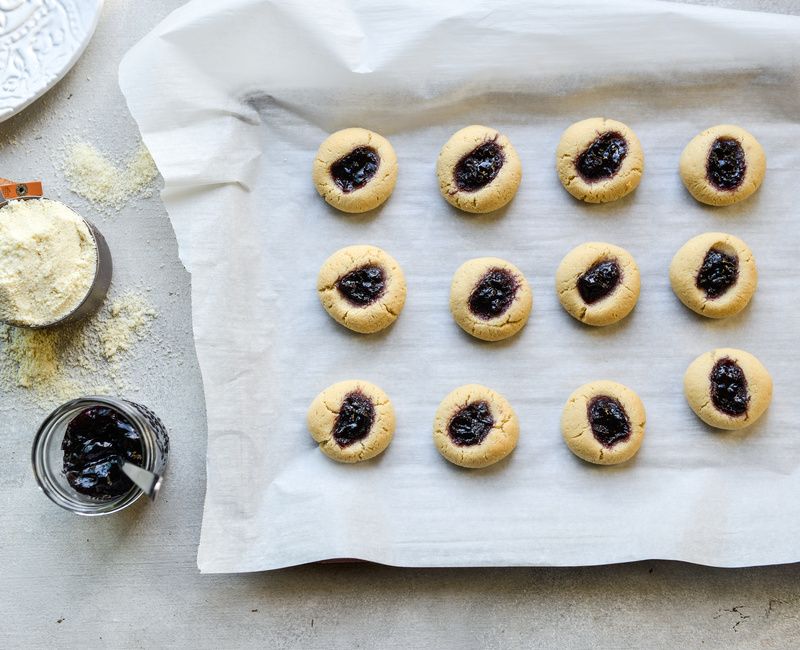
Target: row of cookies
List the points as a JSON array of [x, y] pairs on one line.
[[603, 422], [598, 160], [364, 288]]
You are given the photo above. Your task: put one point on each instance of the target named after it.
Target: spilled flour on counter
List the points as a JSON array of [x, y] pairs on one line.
[[62, 363], [108, 183], [129, 318]]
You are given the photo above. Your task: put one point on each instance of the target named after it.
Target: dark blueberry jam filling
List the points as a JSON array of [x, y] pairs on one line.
[[729, 387], [603, 158], [493, 294], [599, 281], [355, 170], [95, 443], [718, 273], [726, 164], [470, 425], [355, 419], [479, 167], [609, 422], [363, 286]]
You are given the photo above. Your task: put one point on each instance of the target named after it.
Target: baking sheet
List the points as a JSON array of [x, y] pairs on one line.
[[233, 101]]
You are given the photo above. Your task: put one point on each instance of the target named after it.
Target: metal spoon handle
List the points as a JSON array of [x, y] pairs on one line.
[[146, 481]]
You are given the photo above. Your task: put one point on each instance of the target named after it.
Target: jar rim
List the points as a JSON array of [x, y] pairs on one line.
[[43, 470]]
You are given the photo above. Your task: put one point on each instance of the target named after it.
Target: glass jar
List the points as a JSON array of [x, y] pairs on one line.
[[48, 457]]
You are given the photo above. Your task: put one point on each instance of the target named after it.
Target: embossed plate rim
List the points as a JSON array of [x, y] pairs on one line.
[[52, 77]]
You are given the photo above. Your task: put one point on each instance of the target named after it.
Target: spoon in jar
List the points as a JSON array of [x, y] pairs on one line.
[[146, 481]]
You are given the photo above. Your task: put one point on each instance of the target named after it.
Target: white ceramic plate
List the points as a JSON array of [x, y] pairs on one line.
[[40, 40]]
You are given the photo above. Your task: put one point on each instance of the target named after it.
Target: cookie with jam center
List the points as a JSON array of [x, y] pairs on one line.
[[362, 288], [599, 160], [728, 388], [475, 427], [351, 421], [490, 298], [479, 170], [355, 170], [714, 274], [598, 283], [723, 165], [603, 422]]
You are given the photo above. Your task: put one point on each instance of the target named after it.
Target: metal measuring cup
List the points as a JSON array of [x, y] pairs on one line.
[[11, 191]]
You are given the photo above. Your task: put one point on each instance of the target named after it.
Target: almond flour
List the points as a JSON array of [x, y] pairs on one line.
[[49, 261], [107, 183], [127, 320], [62, 363]]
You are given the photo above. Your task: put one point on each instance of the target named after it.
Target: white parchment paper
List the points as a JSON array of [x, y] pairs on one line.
[[233, 100]]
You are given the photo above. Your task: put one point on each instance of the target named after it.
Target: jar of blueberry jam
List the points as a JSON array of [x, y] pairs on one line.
[[78, 450]]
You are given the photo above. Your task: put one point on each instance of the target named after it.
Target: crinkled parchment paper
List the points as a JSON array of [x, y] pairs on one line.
[[233, 100]]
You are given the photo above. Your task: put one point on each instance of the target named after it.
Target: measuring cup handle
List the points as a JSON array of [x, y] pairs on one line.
[[11, 190]]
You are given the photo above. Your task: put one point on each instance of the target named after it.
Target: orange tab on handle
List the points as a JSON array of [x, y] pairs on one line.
[[11, 190]]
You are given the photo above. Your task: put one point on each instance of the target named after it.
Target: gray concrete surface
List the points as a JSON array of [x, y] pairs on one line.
[[131, 580]]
